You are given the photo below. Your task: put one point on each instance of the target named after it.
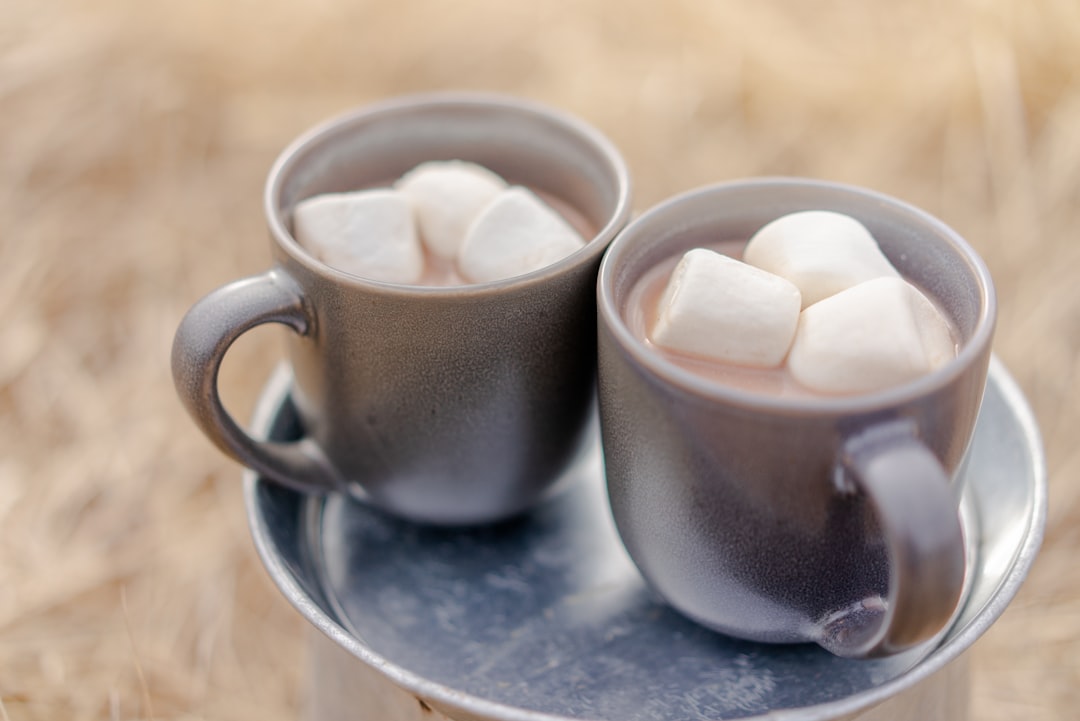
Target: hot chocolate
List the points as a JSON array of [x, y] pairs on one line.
[[443, 223], [643, 308]]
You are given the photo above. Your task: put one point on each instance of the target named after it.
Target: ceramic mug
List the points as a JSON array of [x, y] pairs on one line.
[[824, 519], [451, 405]]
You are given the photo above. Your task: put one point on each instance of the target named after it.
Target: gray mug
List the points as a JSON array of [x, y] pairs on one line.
[[826, 519], [450, 405]]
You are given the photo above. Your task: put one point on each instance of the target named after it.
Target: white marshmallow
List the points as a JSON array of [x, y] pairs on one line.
[[820, 251], [872, 336], [370, 233], [515, 233], [719, 308], [447, 196]]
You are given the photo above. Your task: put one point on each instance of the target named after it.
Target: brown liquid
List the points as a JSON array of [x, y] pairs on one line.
[[641, 311]]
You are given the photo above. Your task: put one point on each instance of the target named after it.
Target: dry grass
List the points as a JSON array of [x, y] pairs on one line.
[[134, 138]]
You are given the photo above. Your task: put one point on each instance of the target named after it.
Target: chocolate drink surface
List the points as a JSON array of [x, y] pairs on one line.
[[641, 311]]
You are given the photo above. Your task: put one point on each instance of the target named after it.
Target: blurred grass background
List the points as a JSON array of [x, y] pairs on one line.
[[134, 140]]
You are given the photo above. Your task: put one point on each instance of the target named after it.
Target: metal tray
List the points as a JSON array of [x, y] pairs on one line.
[[544, 617]]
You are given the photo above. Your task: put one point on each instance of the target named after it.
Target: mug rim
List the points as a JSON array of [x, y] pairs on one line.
[[434, 101], [654, 363]]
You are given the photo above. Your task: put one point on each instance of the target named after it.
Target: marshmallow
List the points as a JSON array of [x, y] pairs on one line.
[[719, 308], [370, 233], [447, 196], [820, 251], [515, 233], [874, 335]]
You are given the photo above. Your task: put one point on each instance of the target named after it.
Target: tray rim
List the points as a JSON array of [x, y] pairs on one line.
[[450, 700]]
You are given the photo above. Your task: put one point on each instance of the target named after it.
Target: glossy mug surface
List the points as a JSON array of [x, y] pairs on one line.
[[791, 519], [452, 405]]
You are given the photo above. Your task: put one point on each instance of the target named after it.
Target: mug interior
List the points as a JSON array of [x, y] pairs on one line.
[[923, 249], [526, 144]]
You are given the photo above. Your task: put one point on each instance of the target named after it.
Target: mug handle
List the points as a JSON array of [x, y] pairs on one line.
[[911, 494], [200, 344]]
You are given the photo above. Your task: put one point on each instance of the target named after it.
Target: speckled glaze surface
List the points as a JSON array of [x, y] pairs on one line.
[[831, 520], [447, 405]]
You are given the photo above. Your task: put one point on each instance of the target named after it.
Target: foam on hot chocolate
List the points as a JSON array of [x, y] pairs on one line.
[[474, 227], [860, 336]]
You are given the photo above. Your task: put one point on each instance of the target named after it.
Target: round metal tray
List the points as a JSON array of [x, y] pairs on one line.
[[544, 617]]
